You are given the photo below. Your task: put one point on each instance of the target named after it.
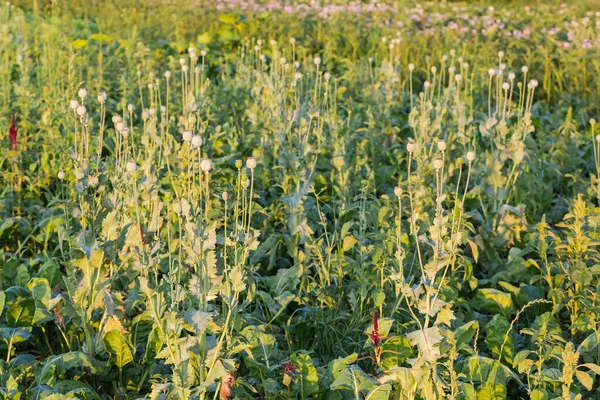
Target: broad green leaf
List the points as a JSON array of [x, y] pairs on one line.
[[493, 301], [21, 313], [117, 346], [586, 380]]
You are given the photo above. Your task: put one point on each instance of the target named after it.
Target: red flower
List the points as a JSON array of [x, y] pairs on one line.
[[374, 335], [143, 236], [289, 368], [12, 134]]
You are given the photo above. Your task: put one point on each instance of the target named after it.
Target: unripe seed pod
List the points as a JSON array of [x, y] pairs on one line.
[[131, 166], [441, 144], [206, 165], [196, 141]]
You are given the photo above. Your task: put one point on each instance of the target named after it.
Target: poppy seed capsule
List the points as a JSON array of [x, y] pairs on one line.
[[592, 121], [441, 145], [411, 67], [130, 108], [225, 196], [251, 163], [411, 146], [82, 93], [598, 138], [120, 125], [81, 111], [398, 191], [168, 74], [524, 69], [206, 165], [125, 132], [177, 207], [511, 76], [458, 78], [238, 164], [317, 61], [505, 86], [437, 163], [292, 41], [73, 104], [187, 136], [131, 166], [470, 156], [491, 72], [196, 141], [203, 53], [116, 118], [61, 175], [102, 97]]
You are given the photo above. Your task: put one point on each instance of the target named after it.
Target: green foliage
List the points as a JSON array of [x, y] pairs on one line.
[[388, 206]]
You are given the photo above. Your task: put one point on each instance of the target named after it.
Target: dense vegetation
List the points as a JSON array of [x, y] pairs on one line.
[[244, 199]]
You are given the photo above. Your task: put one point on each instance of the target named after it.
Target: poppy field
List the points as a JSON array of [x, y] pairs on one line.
[[319, 199]]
